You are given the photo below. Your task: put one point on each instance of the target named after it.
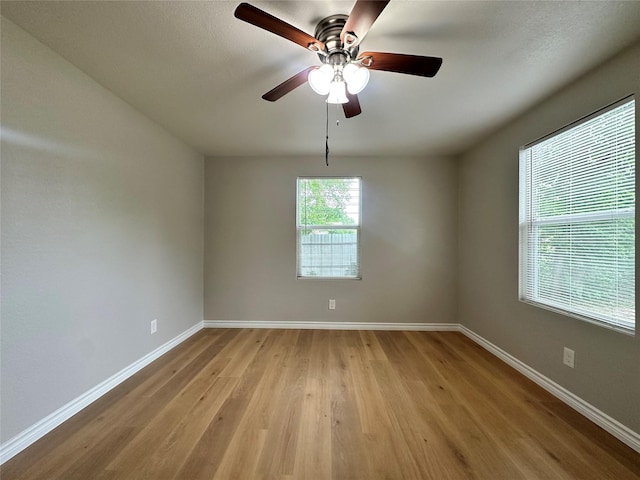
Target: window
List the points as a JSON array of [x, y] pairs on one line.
[[328, 226], [577, 219]]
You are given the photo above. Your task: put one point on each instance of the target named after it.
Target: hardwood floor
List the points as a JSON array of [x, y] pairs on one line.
[[303, 404]]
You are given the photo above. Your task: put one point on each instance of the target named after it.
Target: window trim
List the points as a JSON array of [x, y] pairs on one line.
[[357, 227], [525, 223]]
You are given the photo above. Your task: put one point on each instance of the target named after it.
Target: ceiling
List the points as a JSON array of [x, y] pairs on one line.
[[199, 72]]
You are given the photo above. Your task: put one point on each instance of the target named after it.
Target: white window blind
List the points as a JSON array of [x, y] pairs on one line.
[[328, 227], [577, 219]]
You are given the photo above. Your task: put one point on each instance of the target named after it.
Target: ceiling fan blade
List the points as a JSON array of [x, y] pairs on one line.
[[352, 107], [288, 85], [262, 19], [362, 16], [400, 63]]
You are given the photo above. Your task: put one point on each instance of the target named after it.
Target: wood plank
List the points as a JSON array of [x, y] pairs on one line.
[[248, 441], [278, 456], [206, 457], [348, 443], [313, 456]]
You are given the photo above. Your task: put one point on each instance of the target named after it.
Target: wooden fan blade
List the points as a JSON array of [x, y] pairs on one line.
[[288, 85], [262, 19], [362, 16], [397, 62], [352, 107]]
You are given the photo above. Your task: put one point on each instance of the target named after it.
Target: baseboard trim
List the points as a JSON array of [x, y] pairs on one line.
[[27, 437], [422, 327], [611, 425]]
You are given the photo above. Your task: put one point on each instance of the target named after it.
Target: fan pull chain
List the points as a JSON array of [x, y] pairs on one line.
[[326, 144]]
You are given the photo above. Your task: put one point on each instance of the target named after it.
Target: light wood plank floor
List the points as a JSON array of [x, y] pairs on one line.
[[302, 404]]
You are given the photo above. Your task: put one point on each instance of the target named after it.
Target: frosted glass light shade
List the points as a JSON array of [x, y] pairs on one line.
[[337, 93], [320, 79], [356, 77]]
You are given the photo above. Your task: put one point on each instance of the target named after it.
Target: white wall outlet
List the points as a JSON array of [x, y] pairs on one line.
[[568, 357], [154, 326], [332, 304]]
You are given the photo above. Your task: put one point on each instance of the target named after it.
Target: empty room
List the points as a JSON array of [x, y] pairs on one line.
[[315, 240]]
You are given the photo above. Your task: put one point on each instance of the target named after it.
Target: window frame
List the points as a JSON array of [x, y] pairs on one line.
[[357, 227], [526, 293]]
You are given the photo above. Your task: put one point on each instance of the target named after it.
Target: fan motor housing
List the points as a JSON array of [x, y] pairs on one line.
[[328, 32]]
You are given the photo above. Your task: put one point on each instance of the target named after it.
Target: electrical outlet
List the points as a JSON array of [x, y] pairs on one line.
[[154, 326], [568, 357], [332, 304]]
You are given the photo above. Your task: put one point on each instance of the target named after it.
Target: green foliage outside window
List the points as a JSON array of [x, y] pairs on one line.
[[323, 202]]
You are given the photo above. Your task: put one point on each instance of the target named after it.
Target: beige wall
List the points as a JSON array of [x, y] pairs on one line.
[[407, 257], [607, 368], [102, 231]]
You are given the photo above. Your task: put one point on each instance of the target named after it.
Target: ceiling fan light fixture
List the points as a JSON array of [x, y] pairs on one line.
[[356, 77], [336, 42], [337, 93], [320, 79]]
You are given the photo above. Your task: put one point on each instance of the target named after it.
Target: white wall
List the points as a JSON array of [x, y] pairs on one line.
[[407, 250], [607, 367], [102, 231]]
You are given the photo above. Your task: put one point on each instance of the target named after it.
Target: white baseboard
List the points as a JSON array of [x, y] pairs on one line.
[[25, 438], [611, 425], [423, 327], [21, 441]]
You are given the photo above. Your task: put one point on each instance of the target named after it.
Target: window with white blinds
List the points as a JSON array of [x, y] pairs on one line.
[[577, 219], [328, 227]]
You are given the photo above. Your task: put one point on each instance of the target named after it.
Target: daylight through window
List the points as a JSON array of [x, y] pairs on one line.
[[328, 227], [577, 219]]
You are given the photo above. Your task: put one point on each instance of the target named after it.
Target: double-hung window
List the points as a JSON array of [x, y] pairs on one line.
[[328, 227], [577, 219]]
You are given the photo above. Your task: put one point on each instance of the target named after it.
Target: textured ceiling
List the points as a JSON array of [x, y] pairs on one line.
[[199, 72]]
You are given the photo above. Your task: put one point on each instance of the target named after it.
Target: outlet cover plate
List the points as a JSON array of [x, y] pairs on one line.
[[569, 357]]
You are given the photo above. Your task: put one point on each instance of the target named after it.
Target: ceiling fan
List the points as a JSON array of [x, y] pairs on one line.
[[344, 71]]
